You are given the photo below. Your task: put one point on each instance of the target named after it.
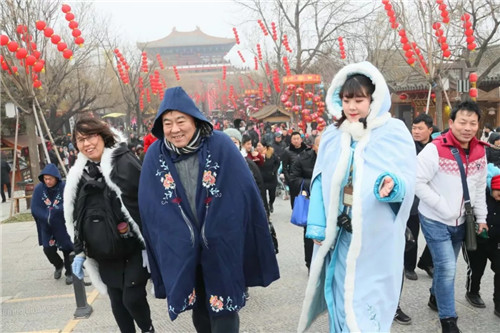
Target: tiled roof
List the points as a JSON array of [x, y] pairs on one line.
[[186, 38]]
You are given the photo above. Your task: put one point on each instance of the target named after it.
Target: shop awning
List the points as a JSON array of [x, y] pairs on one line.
[[22, 141]]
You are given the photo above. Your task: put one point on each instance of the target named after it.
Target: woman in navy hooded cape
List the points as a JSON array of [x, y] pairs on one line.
[[230, 243], [47, 210]]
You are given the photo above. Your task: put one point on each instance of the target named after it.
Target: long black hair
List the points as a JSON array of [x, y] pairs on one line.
[[357, 85]]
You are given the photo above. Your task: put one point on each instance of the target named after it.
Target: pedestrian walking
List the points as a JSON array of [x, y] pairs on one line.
[[5, 177], [361, 195], [442, 208], [102, 216], [47, 210], [205, 225]]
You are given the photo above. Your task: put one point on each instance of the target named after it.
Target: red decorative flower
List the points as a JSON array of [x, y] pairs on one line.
[[208, 200], [176, 200]]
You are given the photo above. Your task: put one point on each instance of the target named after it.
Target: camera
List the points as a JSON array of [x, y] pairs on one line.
[[344, 221]]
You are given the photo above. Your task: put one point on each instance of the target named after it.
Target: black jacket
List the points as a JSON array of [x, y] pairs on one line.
[[260, 183], [289, 156], [5, 169], [302, 170], [493, 217], [270, 168], [418, 147]]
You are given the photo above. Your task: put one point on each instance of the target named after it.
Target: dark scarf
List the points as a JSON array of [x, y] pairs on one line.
[[202, 131]]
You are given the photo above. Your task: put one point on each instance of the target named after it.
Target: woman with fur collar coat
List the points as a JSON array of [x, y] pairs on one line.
[[104, 157], [362, 191]]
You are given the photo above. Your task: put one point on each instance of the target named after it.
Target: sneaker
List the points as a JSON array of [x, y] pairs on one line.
[[58, 273], [69, 279], [411, 275], [432, 303], [449, 325], [402, 318], [475, 300]]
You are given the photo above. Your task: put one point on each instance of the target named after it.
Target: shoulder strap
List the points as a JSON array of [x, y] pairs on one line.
[[456, 154]]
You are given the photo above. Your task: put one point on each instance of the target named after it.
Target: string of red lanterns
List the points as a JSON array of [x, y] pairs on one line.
[[286, 44], [160, 61], [263, 27], [276, 81], [341, 46], [390, 13], [441, 39], [176, 72], [259, 52], [407, 47], [469, 32], [274, 32], [236, 36], [241, 56], [256, 61], [224, 71], [473, 93], [444, 12], [144, 62], [287, 66], [73, 25]]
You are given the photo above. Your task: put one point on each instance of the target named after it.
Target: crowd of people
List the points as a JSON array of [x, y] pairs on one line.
[[189, 206]]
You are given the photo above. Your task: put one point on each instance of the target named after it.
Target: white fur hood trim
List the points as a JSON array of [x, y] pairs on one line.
[[70, 192]]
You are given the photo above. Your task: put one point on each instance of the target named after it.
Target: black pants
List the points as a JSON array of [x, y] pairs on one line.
[[129, 304], [8, 191], [476, 263], [203, 322], [271, 189], [55, 259], [425, 259], [308, 249]]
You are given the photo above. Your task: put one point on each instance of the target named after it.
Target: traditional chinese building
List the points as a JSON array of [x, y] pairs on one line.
[[190, 51]]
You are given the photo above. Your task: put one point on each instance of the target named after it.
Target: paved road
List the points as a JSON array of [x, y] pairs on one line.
[[32, 301]]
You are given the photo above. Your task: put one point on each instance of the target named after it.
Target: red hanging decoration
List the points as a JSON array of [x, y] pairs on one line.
[[287, 66], [160, 62], [274, 32], [176, 72], [236, 36], [256, 61], [224, 71], [241, 56], [259, 52], [342, 49], [263, 27], [268, 69], [469, 32]]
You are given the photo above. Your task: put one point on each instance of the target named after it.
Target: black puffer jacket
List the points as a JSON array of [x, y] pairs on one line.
[[493, 153], [270, 168], [493, 217], [302, 171], [289, 156]]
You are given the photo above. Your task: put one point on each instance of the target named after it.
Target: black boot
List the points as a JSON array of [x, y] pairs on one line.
[[449, 325], [432, 303]]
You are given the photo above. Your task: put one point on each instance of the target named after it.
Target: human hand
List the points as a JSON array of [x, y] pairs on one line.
[[387, 187], [317, 242], [481, 227], [77, 266]]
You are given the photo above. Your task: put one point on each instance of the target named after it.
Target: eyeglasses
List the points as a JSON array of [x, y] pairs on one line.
[[89, 138]]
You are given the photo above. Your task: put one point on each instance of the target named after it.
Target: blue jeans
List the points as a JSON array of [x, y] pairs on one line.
[[444, 243]]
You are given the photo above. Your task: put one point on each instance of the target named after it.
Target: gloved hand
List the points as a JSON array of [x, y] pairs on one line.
[[145, 261], [77, 266]]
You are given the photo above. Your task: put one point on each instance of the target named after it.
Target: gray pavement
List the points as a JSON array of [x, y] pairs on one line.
[[32, 301]]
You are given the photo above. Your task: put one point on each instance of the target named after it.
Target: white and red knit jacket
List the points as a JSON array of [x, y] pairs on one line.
[[439, 184]]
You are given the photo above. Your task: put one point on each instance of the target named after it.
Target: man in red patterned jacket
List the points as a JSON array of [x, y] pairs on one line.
[[441, 208]]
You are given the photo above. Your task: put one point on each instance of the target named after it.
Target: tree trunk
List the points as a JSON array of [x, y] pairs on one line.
[[34, 159], [439, 107]]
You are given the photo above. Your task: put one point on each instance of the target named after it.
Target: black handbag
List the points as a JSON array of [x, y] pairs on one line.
[[470, 219]]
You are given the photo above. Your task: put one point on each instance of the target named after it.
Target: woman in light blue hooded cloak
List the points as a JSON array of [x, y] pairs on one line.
[[361, 195]]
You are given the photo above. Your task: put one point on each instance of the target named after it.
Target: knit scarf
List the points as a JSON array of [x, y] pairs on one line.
[[202, 130]]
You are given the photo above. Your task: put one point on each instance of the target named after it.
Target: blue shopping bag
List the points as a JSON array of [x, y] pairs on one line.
[[300, 208]]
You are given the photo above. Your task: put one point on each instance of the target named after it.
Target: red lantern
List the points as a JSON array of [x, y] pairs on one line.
[[66, 9], [36, 54], [61, 46], [447, 54], [473, 77], [73, 25], [30, 60], [473, 92], [76, 33], [37, 84], [411, 61], [284, 98], [12, 46], [471, 39], [469, 32], [40, 25], [465, 17], [471, 47], [21, 53], [403, 97], [48, 32], [79, 41], [446, 19], [55, 39], [38, 67], [69, 17], [21, 29], [67, 54]]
